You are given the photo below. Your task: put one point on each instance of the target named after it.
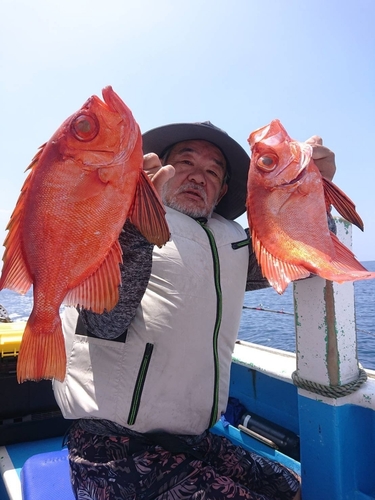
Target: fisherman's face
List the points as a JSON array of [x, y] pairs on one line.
[[198, 184]]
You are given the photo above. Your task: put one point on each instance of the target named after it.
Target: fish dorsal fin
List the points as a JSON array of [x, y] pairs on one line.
[[15, 274], [35, 160], [278, 272], [148, 213], [343, 204], [100, 290]]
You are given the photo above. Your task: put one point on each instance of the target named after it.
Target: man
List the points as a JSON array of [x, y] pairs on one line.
[[148, 379]]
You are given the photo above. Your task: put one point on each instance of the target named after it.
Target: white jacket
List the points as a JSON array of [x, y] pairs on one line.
[[172, 372]]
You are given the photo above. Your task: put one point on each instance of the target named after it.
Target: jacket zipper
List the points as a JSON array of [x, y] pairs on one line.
[[136, 400], [219, 313]]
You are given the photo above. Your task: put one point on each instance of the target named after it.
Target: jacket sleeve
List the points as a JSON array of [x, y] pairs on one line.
[[135, 274], [255, 279]]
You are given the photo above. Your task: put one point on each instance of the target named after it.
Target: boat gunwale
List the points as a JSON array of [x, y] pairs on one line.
[[280, 364]]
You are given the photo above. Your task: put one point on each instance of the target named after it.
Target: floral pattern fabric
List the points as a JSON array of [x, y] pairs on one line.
[[125, 467]]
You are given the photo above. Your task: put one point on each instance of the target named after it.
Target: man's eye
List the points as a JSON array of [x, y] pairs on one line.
[[213, 173]]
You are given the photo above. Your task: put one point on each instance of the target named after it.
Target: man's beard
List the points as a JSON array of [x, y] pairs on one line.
[[192, 211]]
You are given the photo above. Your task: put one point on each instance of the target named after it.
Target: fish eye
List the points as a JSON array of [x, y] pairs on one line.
[[85, 127], [267, 162]]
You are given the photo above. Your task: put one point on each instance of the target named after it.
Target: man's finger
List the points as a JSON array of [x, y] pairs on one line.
[[162, 176], [151, 163], [315, 139]]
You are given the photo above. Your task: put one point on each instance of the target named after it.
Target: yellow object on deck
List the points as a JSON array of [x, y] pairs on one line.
[[10, 338]]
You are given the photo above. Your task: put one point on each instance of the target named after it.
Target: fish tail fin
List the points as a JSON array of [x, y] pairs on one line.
[[148, 213], [42, 353], [342, 203]]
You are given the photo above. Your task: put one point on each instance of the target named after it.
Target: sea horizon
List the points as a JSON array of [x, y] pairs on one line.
[[267, 318]]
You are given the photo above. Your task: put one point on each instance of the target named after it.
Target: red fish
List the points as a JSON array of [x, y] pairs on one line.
[[63, 234], [287, 213]]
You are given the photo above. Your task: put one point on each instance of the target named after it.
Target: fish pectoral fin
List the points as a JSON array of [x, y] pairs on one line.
[[100, 291], [278, 272], [105, 174], [91, 184], [342, 203], [148, 213]]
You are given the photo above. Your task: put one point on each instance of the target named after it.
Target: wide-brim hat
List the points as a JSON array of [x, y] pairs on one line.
[[160, 139]]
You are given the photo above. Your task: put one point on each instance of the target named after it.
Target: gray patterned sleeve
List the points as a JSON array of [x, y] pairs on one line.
[[135, 274], [255, 279]]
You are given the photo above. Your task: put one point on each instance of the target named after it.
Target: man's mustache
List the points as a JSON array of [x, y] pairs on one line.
[[190, 186]]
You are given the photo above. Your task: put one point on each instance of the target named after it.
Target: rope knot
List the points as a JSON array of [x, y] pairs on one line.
[[330, 391]]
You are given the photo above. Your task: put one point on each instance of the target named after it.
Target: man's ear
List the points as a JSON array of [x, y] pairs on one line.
[[223, 191]]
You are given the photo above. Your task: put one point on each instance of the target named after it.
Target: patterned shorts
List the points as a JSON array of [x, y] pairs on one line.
[[124, 467]]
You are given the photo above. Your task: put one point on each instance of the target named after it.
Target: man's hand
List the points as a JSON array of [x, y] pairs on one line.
[[157, 173], [323, 157]]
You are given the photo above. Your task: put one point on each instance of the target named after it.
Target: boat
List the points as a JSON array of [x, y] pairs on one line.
[[313, 410]]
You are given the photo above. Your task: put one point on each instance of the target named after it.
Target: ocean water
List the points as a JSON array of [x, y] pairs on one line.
[[267, 317], [274, 327]]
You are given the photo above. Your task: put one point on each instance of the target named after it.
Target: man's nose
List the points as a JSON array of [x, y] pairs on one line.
[[197, 175]]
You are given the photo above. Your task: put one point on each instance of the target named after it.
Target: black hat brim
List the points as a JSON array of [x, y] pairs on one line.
[[233, 204]]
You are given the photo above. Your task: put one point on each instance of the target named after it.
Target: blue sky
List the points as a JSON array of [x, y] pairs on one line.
[[238, 63]]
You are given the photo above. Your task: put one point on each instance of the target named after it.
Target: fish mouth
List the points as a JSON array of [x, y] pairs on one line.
[[113, 101], [296, 180], [117, 105], [305, 151]]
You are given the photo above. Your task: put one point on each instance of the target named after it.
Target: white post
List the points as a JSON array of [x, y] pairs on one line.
[[326, 344], [327, 355]]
